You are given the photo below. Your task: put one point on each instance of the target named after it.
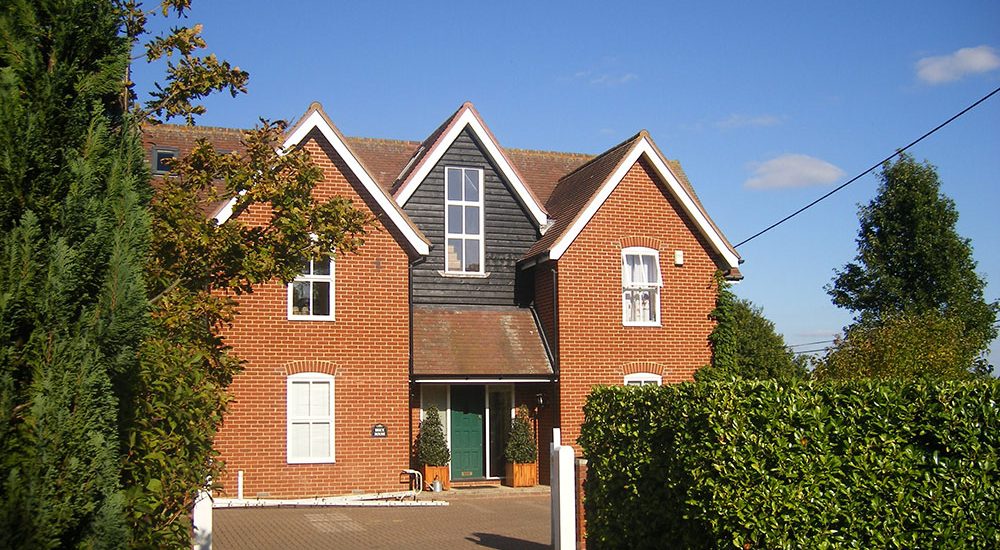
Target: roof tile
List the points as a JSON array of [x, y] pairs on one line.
[[471, 341]]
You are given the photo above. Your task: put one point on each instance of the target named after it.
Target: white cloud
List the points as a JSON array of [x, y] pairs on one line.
[[610, 79], [792, 171], [607, 72], [743, 121], [947, 68]]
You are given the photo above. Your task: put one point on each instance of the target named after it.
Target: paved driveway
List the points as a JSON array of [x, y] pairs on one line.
[[487, 521]]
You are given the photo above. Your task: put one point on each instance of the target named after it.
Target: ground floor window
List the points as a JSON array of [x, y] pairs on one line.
[[310, 418], [643, 379]]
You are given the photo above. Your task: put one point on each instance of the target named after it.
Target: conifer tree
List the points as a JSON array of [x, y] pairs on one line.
[[113, 373], [73, 236]]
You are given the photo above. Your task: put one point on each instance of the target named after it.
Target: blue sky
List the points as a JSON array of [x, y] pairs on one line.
[[766, 105]]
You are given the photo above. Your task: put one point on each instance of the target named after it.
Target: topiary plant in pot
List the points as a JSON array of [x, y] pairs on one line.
[[521, 452], [432, 449]]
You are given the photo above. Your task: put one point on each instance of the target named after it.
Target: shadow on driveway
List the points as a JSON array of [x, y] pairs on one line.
[[500, 542]]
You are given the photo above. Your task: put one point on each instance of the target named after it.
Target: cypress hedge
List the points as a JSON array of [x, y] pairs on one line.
[[763, 464]]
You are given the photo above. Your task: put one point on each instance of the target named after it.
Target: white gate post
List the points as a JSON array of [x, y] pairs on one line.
[[563, 490], [202, 520], [554, 487]]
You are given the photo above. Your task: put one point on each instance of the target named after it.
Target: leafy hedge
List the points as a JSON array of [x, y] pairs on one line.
[[749, 464]]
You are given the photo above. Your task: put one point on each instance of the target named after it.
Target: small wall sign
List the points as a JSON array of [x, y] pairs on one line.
[[379, 430]]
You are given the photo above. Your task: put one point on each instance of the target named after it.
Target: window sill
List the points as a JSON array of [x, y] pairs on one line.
[[310, 318], [626, 324], [311, 461], [462, 275]]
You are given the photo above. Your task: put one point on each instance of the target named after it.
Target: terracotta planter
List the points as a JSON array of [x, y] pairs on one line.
[[439, 472], [521, 475]]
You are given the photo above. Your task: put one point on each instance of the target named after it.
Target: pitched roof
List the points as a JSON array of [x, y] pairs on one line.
[[562, 185], [435, 146], [385, 158], [581, 193], [461, 341], [575, 190], [315, 119]]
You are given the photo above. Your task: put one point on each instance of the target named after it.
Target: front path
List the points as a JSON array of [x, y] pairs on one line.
[[474, 519]]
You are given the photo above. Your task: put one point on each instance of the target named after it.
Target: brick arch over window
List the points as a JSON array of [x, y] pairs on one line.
[[645, 242], [311, 365], [644, 366]]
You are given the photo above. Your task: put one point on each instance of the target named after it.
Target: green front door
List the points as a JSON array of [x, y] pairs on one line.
[[468, 406]]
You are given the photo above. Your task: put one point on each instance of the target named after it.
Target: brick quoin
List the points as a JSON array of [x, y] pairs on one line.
[[594, 347], [366, 349]]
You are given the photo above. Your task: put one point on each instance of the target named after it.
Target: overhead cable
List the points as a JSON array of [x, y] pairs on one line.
[[873, 167]]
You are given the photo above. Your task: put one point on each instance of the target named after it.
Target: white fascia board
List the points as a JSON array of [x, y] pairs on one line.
[[468, 118], [225, 212], [640, 149], [316, 120]]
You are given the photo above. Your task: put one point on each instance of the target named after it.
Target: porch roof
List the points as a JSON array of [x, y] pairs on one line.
[[477, 341]]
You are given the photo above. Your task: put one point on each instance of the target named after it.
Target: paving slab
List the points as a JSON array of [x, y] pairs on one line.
[[500, 518]]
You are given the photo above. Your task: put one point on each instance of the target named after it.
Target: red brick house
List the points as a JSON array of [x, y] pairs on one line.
[[493, 278]]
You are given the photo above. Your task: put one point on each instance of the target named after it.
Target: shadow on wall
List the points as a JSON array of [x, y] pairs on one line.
[[500, 542]]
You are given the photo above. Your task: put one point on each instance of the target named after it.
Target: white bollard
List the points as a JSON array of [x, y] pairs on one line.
[[202, 519], [554, 486], [239, 484], [563, 491]]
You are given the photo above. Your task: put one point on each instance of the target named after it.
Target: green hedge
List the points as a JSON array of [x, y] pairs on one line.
[[749, 464]]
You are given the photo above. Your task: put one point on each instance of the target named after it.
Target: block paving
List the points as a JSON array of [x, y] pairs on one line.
[[497, 518]]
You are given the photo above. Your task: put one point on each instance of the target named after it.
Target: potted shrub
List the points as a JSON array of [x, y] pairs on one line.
[[432, 449], [521, 452]]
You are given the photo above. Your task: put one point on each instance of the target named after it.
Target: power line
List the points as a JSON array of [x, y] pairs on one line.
[[803, 352], [810, 343], [862, 174]]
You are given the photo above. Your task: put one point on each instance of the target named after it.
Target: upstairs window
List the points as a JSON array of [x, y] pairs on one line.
[[310, 418], [310, 295], [641, 284], [161, 159], [643, 379], [463, 218]]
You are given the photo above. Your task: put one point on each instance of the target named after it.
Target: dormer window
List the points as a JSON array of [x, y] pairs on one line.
[[161, 159], [463, 218]]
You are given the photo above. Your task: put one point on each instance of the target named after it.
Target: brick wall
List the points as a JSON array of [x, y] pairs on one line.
[[594, 347], [366, 349]]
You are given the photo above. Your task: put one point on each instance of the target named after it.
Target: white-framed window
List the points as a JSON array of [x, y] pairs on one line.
[[641, 284], [643, 379], [463, 219], [162, 157], [311, 295], [310, 418]]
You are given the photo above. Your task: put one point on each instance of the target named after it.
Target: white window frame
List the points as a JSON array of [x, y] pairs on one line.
[[311, 378], [463, 236], [310, 278], [654, 287], [643, 379]]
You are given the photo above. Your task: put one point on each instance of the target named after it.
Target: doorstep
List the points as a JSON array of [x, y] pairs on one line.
[[467, 483], [484, 491]]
